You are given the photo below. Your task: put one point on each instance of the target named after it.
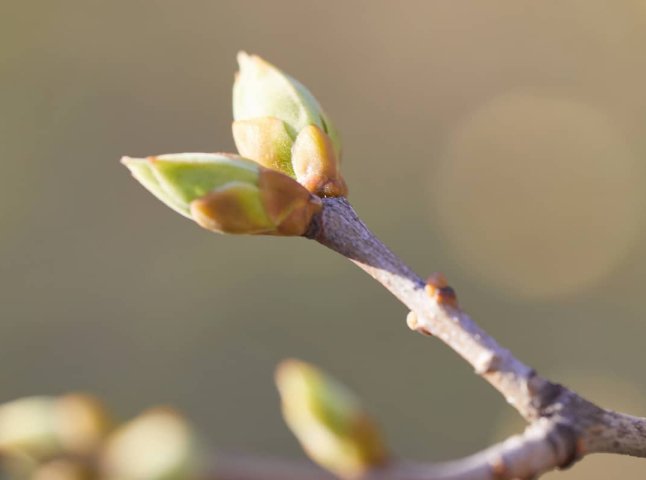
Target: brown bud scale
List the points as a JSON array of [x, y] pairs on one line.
[[438, 288]]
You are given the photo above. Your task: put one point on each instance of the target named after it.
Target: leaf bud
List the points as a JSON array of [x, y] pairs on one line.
[[279, 124], [329, 421]]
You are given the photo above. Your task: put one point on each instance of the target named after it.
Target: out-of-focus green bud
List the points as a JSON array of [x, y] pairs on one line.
[[157, 445], [42, 427], [227, 193], [82, 422], [27, 425], [271, 111], [328, 421]]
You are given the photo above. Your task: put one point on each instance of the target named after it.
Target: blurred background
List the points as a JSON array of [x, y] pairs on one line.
[[499, 142]]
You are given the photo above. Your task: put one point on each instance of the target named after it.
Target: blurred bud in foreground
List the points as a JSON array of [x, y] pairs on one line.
[[226, 193], [279, 124], [328, 421], [157, 445], [42, 427], [62, 469]]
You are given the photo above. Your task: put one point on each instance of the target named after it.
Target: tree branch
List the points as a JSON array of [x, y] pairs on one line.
[[563, 426], [339, 229], [537, 450]]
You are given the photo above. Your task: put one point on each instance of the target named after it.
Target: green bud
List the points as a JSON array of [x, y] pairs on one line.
[[42, 427], [329, 421], [227, 193], [271, 111], [157, 445]]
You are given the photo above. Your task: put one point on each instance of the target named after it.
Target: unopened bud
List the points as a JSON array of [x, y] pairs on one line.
[[438, 288], [227, 193], [329, 421], [272, 111]]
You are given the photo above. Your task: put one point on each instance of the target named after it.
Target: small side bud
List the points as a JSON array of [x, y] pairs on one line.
[[438, 288], [316, 165], [328, 420], [486, 362], [412, 320], [157, 445]]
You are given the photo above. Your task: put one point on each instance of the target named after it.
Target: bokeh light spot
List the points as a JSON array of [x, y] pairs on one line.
[[538, 196]]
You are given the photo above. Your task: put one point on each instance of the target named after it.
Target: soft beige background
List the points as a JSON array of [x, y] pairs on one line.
[[501, 142]]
